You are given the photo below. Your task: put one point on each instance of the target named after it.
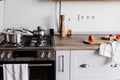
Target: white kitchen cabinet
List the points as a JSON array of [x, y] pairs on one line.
[[62, 64], [89, 65]]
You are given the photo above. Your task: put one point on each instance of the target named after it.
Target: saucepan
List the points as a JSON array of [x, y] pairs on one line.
[[13, 36], [38, 32]]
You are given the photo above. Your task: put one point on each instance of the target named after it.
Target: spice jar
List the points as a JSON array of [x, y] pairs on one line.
[[69, 31]]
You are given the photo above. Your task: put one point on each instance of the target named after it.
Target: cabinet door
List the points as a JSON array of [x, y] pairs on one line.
[[62, 65], [89, 65]]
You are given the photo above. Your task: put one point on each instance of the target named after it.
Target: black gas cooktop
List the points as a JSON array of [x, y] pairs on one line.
[[31, 41]]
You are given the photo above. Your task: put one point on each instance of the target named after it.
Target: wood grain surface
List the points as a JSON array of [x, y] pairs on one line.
[[97, 41], [75, 42]]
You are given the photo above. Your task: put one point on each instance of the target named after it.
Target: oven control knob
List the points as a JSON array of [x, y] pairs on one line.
[[43, 54], [49, 54], [2, 55], [9, 54]]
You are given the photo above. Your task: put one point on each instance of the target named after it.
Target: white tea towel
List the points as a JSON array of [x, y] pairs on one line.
[[105, 49], [111, 50], [116, 52], [7, 72], [15, 71]]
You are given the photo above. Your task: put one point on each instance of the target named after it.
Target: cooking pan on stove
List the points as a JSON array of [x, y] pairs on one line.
[[38, 32], [13, 36]]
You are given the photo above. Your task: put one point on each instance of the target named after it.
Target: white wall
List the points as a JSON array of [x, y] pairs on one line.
[[32, 13], [1, 15], [29, 13], [106, 16]]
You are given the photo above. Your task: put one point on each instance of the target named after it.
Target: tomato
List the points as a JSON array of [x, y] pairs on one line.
[[111, 35], [91, 38], [118, 36]]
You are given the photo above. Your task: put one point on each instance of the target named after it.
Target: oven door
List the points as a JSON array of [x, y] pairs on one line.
[[38, 70]]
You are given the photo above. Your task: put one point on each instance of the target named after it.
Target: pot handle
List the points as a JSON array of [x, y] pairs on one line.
[[2, 33], [27, 30], [6, 30], [38, 28], [18, 30]]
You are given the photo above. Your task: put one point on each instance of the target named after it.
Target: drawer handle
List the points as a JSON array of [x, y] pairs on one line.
[[61, 63], [84, 65]]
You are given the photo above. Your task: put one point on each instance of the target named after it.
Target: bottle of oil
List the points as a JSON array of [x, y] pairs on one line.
[[62, 26]]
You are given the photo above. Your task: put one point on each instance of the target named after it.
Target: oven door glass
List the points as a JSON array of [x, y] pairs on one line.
[[41, 73], [1, 73]]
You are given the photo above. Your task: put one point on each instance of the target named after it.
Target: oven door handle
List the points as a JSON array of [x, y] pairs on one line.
[[35, 65], [61, 63]]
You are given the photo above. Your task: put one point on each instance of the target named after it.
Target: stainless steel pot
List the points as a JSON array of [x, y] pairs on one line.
[[40, 32], [13, 37]]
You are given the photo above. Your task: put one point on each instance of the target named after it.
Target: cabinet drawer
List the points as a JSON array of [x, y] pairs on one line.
[[89, 65]]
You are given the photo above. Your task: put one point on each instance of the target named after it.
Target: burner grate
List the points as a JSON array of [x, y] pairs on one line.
[[32, 41]]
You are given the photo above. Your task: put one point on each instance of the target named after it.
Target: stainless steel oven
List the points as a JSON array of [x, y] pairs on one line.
[[41, 62]]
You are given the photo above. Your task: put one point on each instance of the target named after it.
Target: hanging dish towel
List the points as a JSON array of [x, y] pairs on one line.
[[111, 50], [15, 71]]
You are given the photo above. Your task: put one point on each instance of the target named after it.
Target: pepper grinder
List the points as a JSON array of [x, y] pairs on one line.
[[62, 26]]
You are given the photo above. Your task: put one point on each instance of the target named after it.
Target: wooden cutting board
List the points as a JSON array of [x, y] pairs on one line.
[[97, 41]]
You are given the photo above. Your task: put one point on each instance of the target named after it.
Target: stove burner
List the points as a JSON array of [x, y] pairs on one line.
[[38, 41], [32, 41], [10, 45]]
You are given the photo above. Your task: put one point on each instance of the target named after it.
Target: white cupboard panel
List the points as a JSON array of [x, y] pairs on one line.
[[62, 65], [89, 65]]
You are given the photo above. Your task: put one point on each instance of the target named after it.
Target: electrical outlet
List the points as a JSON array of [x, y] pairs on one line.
[[93, 17], [88, 17], [85, 17], [82, 17]]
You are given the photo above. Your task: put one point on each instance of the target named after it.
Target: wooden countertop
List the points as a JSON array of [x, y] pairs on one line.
[[75, 42]]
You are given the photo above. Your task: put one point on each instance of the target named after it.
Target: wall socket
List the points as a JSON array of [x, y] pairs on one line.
[[85, 17]]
